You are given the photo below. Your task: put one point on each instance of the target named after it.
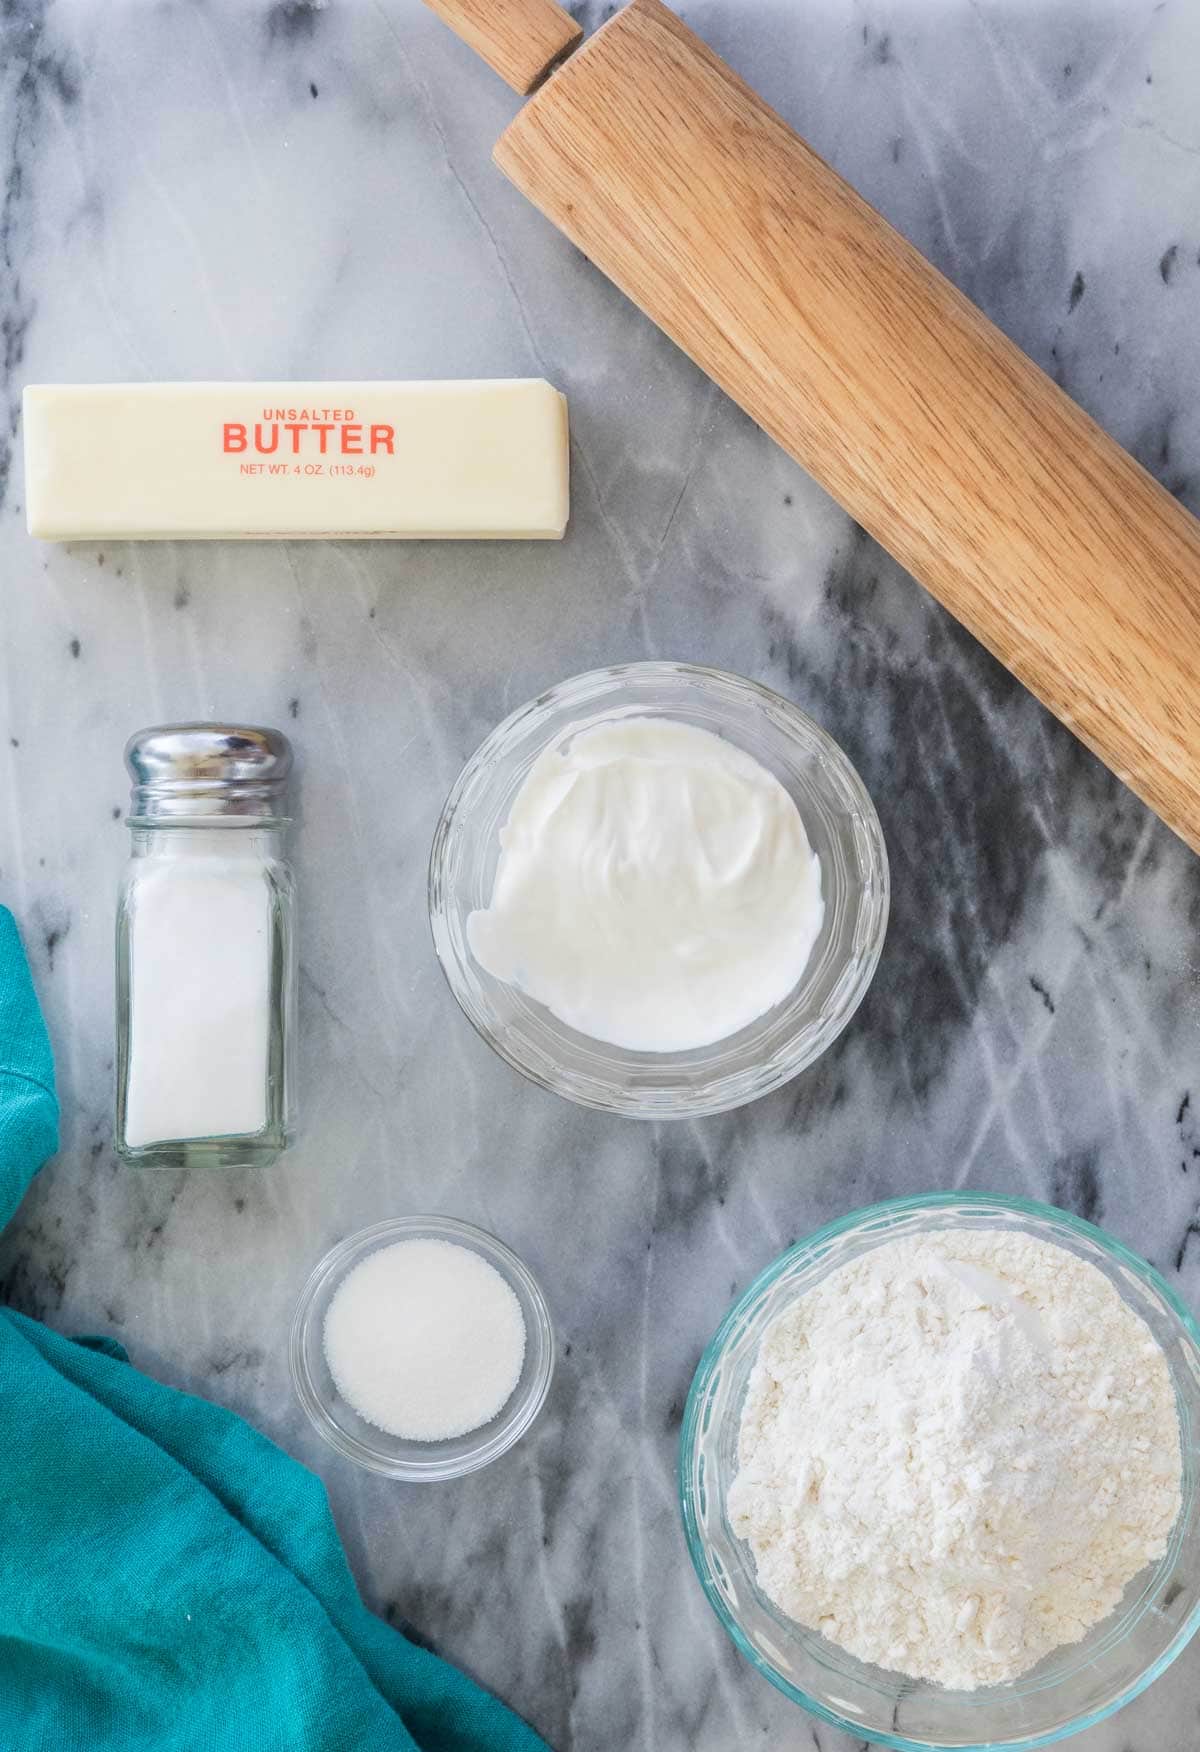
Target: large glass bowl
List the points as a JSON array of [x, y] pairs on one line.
[[1071, 1689], [842, 827]]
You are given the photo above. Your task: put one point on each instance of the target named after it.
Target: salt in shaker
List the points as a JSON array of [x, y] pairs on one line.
[[205, 950]]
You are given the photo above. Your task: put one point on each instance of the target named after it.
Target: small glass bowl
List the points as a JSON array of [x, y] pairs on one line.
[[1071, 1689], [373, 1448], [841, 824]]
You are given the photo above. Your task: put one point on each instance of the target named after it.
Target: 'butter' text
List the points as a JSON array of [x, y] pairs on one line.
[[313, 436]]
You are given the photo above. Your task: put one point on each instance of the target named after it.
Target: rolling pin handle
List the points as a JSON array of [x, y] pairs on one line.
[[521, 40]]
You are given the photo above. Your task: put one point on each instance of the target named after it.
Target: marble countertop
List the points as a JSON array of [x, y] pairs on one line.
[[217, 189]]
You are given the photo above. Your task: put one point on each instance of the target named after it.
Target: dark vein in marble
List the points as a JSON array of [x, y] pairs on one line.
[[964, 837], [33, 75], [1075, 1183], [293, 21]]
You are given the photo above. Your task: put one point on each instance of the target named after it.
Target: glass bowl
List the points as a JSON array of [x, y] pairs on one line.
[[842, 827], [395, 1456], [1072, 1688]]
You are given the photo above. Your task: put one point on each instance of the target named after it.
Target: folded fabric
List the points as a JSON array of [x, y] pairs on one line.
[[169, 1579]]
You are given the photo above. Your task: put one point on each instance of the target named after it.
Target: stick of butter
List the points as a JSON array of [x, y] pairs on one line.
[[151, 461]]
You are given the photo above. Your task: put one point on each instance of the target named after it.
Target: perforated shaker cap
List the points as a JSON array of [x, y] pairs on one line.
[[185, 772]]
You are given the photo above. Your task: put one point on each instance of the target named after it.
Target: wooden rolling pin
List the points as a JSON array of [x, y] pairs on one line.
[[935, 432]]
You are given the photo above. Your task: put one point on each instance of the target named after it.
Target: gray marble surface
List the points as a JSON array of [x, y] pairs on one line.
[[218, 189]]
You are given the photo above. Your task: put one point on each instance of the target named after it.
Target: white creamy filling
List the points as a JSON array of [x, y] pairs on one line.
[[656, 888]]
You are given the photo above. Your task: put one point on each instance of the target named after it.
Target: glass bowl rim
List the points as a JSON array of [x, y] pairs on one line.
[[750, 1086], [865, 1214], [519, 1412]]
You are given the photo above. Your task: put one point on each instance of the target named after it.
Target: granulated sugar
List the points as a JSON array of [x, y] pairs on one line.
[[425, 1340], [955, 1453]]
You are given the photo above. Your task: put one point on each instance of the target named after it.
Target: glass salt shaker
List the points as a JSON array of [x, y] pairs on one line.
[[205, 950]]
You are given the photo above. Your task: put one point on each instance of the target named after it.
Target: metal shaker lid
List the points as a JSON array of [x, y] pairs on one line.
[[185, 772]]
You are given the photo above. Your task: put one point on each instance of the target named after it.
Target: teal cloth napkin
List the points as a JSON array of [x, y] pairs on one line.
[[170, 1580]]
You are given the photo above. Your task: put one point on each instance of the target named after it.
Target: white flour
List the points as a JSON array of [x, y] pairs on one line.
[[954, 1454]]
